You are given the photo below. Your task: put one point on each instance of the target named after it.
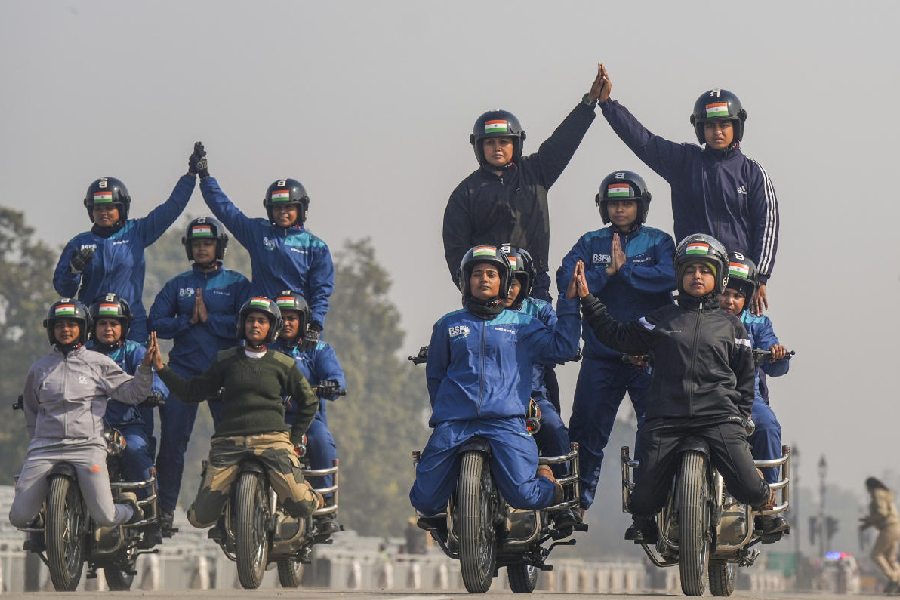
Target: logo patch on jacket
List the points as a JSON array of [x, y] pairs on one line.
[[600, 259], [458, 330]]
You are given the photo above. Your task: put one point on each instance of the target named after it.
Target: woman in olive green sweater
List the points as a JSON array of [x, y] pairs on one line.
[[253, 380]]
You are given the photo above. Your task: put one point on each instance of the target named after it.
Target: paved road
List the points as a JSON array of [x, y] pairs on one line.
[[313, 594]]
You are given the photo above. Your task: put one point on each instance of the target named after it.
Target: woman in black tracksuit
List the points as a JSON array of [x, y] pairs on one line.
[[702, 383]]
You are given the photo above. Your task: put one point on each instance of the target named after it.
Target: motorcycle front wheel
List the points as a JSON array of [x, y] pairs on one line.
[[119, 580], [475, 514], [522, 578], [721, 578], [250, 525], [65, 533], [693, 524], [290, 572]]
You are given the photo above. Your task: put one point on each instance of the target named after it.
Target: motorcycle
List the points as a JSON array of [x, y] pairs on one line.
[[254, 531], [484, 533], [65, 537], [702, 528]]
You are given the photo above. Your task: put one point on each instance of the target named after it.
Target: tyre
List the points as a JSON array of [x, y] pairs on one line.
[[522, 578], [65, 533], [693, 529], [721, 578], [119, 580], [250, 526], [475, 512], [290, 572]]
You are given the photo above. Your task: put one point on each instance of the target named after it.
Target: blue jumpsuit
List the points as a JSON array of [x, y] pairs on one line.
[[135, 422], [118, 262], [281, 258], [765, 442], [642, 285], [553, 437], [317, 365], [193, 352], [479, 377]]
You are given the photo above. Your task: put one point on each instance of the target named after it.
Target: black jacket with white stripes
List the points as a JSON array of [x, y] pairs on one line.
[[720, 193], [702, 361]]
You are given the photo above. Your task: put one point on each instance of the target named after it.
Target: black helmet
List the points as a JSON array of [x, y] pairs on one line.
[[718, 105], [287, 191], [624, 185], [111, 306], [205, 228], [497, 123], [521, 267], [742, 274], [700, 247], [265, 306], [290, 300], [68, 308], [108, 190], [484, 254]]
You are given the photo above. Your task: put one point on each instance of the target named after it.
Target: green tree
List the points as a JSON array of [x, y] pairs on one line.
[[26, 290], [381, 420]]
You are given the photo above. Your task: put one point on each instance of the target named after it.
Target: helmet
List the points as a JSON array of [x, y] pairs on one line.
[[111, 306], [290, 300], [717, 105], [484, 254], [68, 308], [700, 247], [205, 228], [521, 267], [107, 190], [497, 123], [742, 274], [287, 191], [624, 185], [265, 306]]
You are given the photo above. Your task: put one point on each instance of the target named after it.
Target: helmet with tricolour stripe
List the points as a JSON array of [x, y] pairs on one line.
[[284, 192], [718, 105], [702, 248], [623, 185], [205, 228], [263, 305], [497, 123]]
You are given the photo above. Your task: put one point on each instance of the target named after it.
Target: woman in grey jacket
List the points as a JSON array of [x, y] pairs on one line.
[[64, 401]]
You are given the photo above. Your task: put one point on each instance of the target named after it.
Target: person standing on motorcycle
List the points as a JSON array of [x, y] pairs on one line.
[[65, 395], [701, 386], [284, 254], [319, 364], [628, 266], [111, 317], [253, 379], [479, 377], [884, 517], [110, 257], [716, 189], [198, 310], [765, 441], [505, 200]]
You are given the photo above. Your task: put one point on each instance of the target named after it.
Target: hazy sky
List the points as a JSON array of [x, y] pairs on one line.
[[370, 104]]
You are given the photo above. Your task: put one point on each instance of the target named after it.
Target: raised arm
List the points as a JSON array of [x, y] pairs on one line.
[[224, 209], [156, 223]]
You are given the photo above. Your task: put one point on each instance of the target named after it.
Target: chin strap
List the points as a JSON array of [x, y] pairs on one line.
[[484, 308]]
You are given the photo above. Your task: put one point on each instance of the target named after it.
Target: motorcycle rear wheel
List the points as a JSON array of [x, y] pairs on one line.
[[523, 578], [65, 533], [475, 512], [119, 580], [693, 526], [721, 578], [250, 526], [290, 572]]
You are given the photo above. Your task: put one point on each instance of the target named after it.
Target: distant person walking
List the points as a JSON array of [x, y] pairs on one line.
[[883, 516]]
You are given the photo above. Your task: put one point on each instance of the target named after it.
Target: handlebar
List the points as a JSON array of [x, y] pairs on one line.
[[421, 357], [328, 389], [19, 404]]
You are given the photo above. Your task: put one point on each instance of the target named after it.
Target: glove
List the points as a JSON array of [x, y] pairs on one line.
[[154, 399], [328, 388], [749, 426], [300, 446], [81, 260], [312, 335], [197, 164]]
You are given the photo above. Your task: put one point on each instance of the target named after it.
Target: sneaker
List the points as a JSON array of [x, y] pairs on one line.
[[432, 523]]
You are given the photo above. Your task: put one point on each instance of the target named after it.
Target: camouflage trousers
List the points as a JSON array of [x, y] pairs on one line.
[[275, 451]]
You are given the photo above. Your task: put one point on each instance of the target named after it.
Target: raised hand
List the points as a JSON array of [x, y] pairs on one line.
[[605, 84], [200, 306], [616, 256], [578, 284], [197, 164], [153, 357]]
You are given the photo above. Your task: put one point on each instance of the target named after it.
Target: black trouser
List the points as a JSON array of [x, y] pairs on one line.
[[729, 452]]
